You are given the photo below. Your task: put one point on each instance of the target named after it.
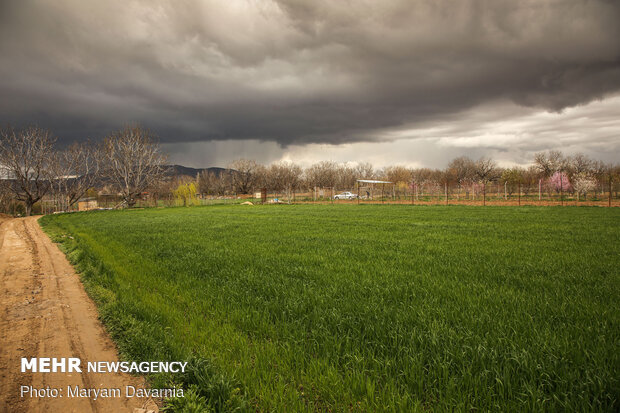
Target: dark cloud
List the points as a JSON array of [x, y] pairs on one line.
[[297, 72]]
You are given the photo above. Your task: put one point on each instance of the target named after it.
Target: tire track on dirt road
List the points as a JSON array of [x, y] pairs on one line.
[[46, 313]]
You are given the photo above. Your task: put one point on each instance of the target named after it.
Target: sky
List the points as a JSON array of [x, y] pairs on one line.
[[392, 82]]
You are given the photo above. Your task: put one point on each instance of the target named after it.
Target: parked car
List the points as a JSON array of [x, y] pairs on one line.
[[345, 195]]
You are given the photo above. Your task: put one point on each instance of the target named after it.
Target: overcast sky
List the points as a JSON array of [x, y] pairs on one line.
[[390, 81]]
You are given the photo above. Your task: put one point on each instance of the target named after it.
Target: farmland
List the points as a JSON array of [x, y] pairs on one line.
[[362, 308]]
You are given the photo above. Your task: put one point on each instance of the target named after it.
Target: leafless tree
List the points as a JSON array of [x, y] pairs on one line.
[[512, 178], [549, 163], [346, 177], [365, 170], [284, 177], [6, 197], [462, 170], [25, 158], [485, 171], [400, 176], [244, 175], [579, 164], [530, 179], [607, 175], [207, 182], [424, 180], [133, 162], [76, 170], [397, 174], [322, 174]]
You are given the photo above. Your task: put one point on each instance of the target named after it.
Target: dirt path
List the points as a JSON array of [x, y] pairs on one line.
[[45, 312]]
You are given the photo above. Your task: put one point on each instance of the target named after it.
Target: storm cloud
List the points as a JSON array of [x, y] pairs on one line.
[[297, 73]]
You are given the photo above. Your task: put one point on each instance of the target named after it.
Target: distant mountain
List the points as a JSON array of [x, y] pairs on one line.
[[180, 170]]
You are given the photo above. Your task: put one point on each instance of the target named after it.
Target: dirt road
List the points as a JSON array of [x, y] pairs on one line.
[[45, 312]]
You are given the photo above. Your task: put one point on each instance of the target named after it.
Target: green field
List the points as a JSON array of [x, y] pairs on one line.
[[363, 308]]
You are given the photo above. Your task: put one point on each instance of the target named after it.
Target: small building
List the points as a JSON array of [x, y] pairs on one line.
[[86, 204]]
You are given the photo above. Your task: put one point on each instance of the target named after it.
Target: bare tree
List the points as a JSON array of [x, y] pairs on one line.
[[76, 170], [422, 177], [549, 163], [530, 179], [512, 179], [345, 177], [285, 176], [133, 162], [579, 164], [6, 196], [365, 170], [397, 174], [244, 175], [207, 182], [25, 158], [462, 171], [485, 171], [609, 173], [322, 174], [400, 176]]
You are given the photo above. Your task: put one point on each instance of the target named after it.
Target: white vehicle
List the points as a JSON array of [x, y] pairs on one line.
[[345, 195]]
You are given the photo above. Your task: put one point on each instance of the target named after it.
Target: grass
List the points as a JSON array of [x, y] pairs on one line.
[[362, 308]]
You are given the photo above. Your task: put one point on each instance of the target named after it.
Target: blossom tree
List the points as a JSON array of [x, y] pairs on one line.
[[583, 183], [560, 182]]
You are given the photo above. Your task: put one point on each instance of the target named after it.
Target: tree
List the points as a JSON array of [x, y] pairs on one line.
[[284, 176], [462, 170], [579, 164], [6, 196], [244, 175], [25, 158], [346, 177], [512, 177], [364, 170], [400, 176], [607, 174], [76, 170], [560, 182], [186, 192], [422, 178], [485, 171], [530, 178], [549, 163], [583, 182], [323, 174], [133, 162], [206, 182], [224, 183]]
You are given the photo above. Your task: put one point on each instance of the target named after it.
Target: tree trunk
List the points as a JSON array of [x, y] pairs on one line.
[[131, 202], [28, 207]]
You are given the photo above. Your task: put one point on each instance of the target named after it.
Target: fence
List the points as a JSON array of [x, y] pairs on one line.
[[491, 194]]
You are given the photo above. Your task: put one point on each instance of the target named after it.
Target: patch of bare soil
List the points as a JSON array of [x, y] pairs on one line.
[[45, 312]]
